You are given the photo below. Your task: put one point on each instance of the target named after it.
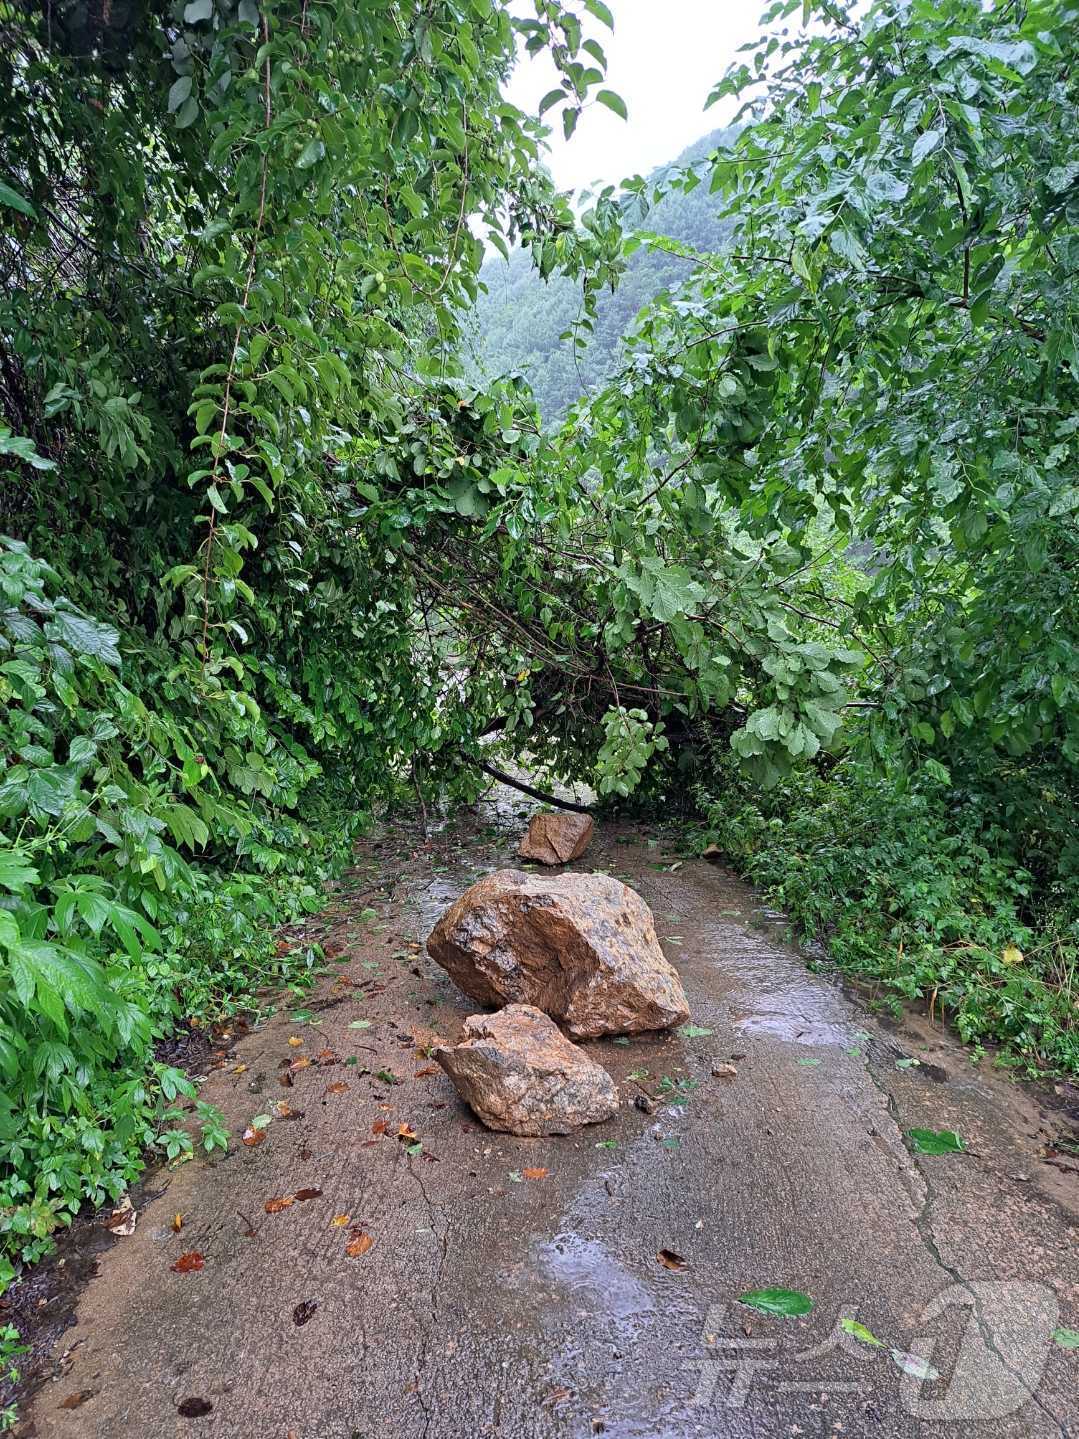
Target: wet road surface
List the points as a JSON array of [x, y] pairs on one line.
[[493, 1304]]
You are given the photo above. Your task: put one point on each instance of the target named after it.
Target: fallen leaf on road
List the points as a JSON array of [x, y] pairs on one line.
[[253, 1136], [325, 1056], [275, 1206], [724, 1071], [341, 1221], [426, 1072], [535, 1173], [295, 1041], [122, 1219], [189, 1263], [406, 1134], [286, 1079], [787, 1302], [360, 1024], [339, 1088], [379, 1127], [304, 1310], [194, 1408], [303, 1194], [694, 1031], [360, 1245], [177, 1223], [670, 1260], [860, 1332], [76, 1400], [1066, 1338], [913, 1364], [935, 1141]]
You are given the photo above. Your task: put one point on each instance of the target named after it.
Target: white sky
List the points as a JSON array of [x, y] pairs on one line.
[[663, 58]]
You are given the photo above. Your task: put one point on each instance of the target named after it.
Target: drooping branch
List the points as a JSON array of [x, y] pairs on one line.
[[504, 778]]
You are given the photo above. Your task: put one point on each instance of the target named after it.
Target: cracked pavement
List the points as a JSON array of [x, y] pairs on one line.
[[490, 1304]]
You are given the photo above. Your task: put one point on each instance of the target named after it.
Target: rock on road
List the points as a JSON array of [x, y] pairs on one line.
[[511, 1287]]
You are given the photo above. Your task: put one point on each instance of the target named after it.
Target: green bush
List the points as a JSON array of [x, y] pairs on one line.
[[917, 886]]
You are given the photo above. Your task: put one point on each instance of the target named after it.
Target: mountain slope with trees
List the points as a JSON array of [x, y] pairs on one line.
[[521, 318]]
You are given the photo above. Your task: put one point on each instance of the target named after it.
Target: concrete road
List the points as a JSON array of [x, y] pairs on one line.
[[490, 1303]]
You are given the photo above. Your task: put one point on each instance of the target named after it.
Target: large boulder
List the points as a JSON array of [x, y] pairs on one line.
[[556, 838], [520, 1074], [581, 947]]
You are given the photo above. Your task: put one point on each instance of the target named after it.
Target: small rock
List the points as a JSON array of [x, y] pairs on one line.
[[644, 1103], [580, 947], [520, 1074], [557, 838], [724, 1071]]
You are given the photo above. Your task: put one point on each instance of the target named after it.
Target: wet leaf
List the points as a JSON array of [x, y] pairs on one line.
[[252, 1136], [194, 1408], [189, 1263], [694, 1031], [282, 1201], [360, 1024], [1066, 1338], [284, 1109], [414, 1149], [670, 1260], [607, 1144], [724, 1071], [935, 1141], [302, 1195], [809, 1061], [787, 1302], [535, 1173], [262, 1121], [671, 1143], [359, 1246], [426, 1072], [295, 1041], [341, 1221], [379, 1127], [304, 1310], [913, 1364], [387, 1076], [78, 1399], [339, 1088], [177, 1223], [406, 1134], [860, 1332], [325, 1056], [907, 1063], [515, 1176], [122, 1219], [622, 1040], [302, 1063]]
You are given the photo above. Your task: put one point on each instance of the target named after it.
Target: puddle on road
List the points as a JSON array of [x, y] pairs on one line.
[[592, 1279]]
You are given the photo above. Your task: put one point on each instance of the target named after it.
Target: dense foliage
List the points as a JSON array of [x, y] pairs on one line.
[[274, 557], [521, 316]]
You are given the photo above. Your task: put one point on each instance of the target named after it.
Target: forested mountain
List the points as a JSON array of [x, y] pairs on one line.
[[520, 317]]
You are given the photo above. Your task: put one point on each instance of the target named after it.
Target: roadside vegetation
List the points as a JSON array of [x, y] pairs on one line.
[[274, 559]]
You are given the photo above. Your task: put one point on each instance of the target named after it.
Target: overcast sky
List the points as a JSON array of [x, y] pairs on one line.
[[663, 58]]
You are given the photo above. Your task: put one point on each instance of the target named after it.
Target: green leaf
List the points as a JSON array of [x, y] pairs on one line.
[[14, 201], [1066, 1338], [178, 92], [694, 1031], [552, 97], [860, 1332], [935, 1141], [925, 144], [197, 11], [613, 102], [788, 1302], [311, 154]]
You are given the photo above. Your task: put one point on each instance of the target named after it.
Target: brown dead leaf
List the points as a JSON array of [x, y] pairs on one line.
[[302, 1063], [295, 1041], [284, 1109], [341, 1221], [325, 1056], [379, 1127], [360, 1245], [275, 1206], [724, 1071], [189, 1263], [535, 1173], [122, 1219], [339, 1088], [426, 1072], [670, 1260], [252, 1136], [286, 1079], [76, 1400], [406, 1134], [177, 1223], [304, 1310], [239, 1068], [304, 1194]]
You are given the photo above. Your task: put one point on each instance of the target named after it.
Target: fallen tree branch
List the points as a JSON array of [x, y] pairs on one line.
[[504, 778]]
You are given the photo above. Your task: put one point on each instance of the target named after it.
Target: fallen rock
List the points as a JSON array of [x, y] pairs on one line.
[[519, 1073], [557, 838], [580, 947]]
